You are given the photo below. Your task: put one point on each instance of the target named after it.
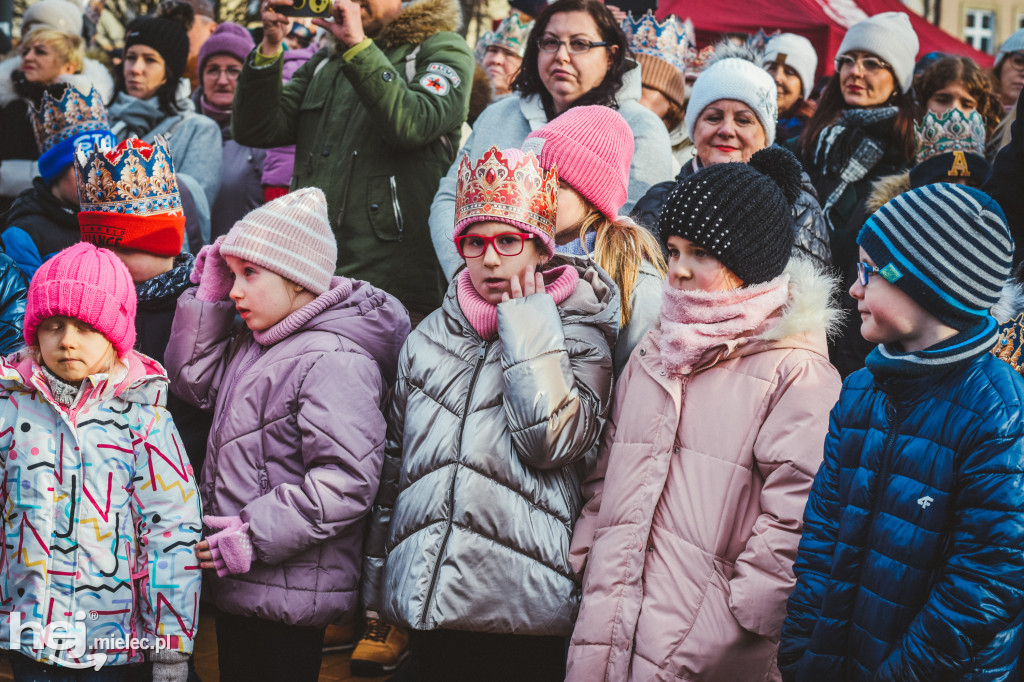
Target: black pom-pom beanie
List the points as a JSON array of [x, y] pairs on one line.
[[741, 213]]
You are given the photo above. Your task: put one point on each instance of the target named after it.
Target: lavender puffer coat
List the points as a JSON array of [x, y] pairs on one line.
[[297, 442]]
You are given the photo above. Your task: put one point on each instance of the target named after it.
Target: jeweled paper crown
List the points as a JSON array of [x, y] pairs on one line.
[[129, 198], [671, 40], [951, 131], [510, 191], [73, 115], [511, 34]]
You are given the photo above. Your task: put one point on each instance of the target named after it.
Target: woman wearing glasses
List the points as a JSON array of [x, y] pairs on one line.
[[1008, 77], [241, 181], [153, 99], [501, 396], [864, 125], [576, 55]]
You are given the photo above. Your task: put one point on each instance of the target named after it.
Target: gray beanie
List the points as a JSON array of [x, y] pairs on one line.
[[738, 79], [890, 37], [1015, 43], [797, 53], [61, 15]]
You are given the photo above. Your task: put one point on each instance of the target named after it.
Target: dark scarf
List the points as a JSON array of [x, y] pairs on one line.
[[848, 149], [887, 363], [168, 285]]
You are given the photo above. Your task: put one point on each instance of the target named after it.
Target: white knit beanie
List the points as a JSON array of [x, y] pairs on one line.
[[738, 79], [796, 52], [61, 15], [890, 37], [1015, 43], [291, 236]]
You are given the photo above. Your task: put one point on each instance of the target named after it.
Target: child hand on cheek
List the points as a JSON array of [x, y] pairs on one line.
[[532, 283]]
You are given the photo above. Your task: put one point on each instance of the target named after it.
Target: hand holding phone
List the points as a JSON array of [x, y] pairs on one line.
[[347, 24], [305, 8]]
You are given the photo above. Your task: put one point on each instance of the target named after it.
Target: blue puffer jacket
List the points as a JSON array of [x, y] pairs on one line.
[[911, 564]]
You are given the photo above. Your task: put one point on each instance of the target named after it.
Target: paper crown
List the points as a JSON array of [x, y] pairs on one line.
[[1009, 346], [73, 115], [670, 40], [129, 198], [951, 131], [758, 41], [507, 190], [511, 34]]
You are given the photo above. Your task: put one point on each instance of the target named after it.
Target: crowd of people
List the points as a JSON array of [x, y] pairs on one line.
[[578, 353]]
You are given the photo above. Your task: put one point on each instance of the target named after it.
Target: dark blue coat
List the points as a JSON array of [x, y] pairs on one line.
[[911, 565]]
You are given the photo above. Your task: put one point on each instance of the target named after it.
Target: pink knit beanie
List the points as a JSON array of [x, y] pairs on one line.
[[592, 147], [291, 236], [88, 284]]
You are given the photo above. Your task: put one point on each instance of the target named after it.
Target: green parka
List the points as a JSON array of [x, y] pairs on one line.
[[375, 129]]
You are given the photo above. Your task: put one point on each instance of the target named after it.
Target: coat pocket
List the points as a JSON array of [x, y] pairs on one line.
[[717, 646], [384, 209]]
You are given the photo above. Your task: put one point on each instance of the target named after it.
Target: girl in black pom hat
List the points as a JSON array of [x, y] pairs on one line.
[[716, 433]]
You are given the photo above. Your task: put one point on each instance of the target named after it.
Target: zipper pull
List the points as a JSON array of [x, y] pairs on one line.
[[483, 351]]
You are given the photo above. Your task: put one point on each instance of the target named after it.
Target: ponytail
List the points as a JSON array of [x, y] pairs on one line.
[[619, 248]]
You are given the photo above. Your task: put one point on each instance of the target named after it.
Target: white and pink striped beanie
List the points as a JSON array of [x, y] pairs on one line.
[[291, 236]]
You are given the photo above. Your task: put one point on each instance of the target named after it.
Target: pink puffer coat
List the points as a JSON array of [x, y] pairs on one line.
[[696, 505]]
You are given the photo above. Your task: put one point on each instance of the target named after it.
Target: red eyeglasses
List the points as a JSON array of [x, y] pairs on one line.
[[506, 244]]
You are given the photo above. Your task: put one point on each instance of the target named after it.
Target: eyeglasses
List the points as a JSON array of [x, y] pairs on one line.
[[506, 244], [1016, 60], [574, 45], [871, 65], [864, 272], [214, 72]]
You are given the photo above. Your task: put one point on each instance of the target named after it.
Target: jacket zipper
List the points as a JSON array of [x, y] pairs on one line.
[[230, 395], [451, 488], [394, 204], [892, 421], [348, 185]]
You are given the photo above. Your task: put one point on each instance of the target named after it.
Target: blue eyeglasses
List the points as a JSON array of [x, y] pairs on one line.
[[890, 273]]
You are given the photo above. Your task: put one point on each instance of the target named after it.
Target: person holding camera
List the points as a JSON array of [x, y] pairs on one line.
[[375, 119]]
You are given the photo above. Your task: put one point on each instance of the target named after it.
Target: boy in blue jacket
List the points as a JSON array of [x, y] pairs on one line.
[[911, 564]]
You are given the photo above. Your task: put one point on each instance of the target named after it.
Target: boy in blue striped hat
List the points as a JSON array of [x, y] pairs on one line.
[[910, 564]]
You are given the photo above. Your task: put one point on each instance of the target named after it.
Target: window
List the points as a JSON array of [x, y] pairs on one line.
[[1020, 21], [980, 29]]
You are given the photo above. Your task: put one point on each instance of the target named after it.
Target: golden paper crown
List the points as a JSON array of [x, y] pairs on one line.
[[71, 115], [136, 179], [1009, 346], [508, 186]]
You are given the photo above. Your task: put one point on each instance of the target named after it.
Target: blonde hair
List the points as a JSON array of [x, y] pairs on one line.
[[69, 48], [620, 247]]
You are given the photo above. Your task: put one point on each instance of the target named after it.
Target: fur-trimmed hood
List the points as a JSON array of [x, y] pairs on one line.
[[810, 307], [1010, 303], [93, 73], [417, 22], [885, 189]]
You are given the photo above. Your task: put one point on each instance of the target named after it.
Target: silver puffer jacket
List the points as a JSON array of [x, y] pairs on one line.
[[487, 445]]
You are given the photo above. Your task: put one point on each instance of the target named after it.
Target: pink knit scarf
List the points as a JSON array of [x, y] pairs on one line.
[[559, 282], [694, 321]]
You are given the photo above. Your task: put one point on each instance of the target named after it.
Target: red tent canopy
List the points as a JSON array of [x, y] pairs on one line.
[[823, 22]]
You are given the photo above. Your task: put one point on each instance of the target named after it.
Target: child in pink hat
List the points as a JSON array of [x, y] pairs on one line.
[[106, 507]]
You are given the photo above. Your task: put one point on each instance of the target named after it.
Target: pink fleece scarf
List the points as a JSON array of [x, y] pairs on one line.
[[694, 321], [559, 283]]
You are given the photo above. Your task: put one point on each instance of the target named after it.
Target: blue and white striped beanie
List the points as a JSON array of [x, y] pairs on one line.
[[946, 246]]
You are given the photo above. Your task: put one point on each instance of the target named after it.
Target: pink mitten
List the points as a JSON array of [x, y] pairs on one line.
[[212, 273], [232, 547]]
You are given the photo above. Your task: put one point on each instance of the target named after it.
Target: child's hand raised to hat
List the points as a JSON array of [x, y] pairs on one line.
[[213, 274], [533, 283]]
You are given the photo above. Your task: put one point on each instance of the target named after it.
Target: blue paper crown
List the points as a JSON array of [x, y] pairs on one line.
[[671, 40], [71, 116]]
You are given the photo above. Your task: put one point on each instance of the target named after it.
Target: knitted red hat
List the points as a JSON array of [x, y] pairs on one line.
[[592, 148], [130, 199]]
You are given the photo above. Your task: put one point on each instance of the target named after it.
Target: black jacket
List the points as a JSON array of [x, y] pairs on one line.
[[37, 226], [157, 301], [1005, 183]]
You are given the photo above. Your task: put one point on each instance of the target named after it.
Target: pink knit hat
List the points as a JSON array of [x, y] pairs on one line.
[[291, 236], [88, 284], [592, 147]]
